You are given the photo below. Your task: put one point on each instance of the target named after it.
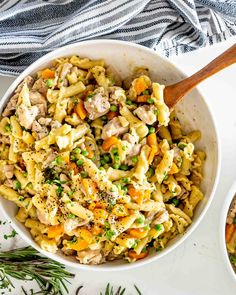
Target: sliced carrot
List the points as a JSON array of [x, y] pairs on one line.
[[143, 98], [137, 233], [136, 195], [140, 85], [55, 231], [100, 214], [134, 255], [152, 139], [101, 204], [174, 169], [96, 230], [73, 166], [92, 206], [108, 142], [80, 110], [89, 186], [229, 231], [112, 115], [48, 74], [79, 245], [90, 152]]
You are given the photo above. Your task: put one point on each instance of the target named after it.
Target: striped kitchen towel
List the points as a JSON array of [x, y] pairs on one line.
[[31, 28]]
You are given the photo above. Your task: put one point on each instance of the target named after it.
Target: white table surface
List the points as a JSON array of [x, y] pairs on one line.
[[196, 267]]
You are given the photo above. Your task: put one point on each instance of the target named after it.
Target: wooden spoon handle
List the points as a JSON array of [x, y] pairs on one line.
[[175, 92]]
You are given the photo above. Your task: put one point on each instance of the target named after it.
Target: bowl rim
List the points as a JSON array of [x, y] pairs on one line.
[[224, 253], [139, 263]]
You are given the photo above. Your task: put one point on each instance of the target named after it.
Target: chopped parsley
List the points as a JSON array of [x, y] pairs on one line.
[[109, 234], [12, 235], [182, 146]]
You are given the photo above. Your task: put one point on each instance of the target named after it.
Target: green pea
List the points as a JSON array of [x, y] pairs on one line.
[[124, 167], [77, 150], [80, 162], [116, 166], [150, 101], [84, 153], [84, 174], [151, 129], [158, 227], [49, 83], [17, 185], [129, 102], [134, 159], [58, 160], [175, 201], [113, 108]]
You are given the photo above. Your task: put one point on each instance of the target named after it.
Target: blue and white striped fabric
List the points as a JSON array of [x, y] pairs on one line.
[[31, 28]]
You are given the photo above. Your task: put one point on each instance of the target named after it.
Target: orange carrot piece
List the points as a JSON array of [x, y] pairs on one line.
[[112, 115], [134, 255], [137, 233], [108, 142], [136, 195], [73, 166], [79, 245], [80, 110], [55, 231], [174, 169], [90, 152], [48, 74], [152, 139], [96, 230], [140, 85], [142, 98], [229, 231], [89, 186]]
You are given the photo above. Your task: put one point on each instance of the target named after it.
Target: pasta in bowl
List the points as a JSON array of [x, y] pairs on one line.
[[99, 168]]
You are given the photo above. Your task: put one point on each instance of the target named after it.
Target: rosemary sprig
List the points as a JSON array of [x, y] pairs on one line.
[[120, 291], [27, 264]]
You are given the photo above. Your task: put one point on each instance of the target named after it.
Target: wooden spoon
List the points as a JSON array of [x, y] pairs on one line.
[[174, 93]]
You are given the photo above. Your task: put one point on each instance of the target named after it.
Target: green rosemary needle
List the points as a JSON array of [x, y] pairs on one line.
[[27, 264]]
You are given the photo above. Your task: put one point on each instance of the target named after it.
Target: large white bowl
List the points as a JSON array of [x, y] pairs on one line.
[[229, 198], [193, 112]]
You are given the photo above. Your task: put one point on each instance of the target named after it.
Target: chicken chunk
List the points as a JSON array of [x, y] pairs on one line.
[[11, 106], [64, 71], [40, 86], [113, 127], [89, 257], [98, 105], [146, 113], [8, 171], [45, 121], [40, 130], [161, 217], [28, 80], [116, 95], [27, 115]]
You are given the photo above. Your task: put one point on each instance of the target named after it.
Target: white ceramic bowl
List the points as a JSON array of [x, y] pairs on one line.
[[229, 197], [193, 112]]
